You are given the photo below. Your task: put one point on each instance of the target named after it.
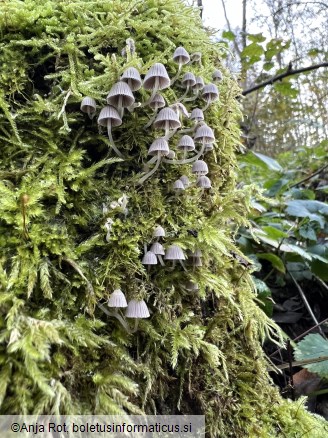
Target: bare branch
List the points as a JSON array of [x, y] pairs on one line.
[[287, 73], [229, 27]]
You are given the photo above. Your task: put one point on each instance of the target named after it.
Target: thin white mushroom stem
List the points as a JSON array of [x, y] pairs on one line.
[[188, 160], [116, 315], [209, 101], [167, 129], [160, 259], [143, 179], [110, 137], [177, 75], [153, 93], [120, 108], [182, 98]]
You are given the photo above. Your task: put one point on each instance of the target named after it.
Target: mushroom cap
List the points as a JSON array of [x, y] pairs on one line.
[[137, 309], [197, 114], [217, 76], [117, 299], [197, 261], [178, 185], [180, 108], [185, 180], [157, 249], [199, 168], [196, 254], [120, 91], [132, 77], [174, 252], [196, 56], [191, 286], [157, 102], [156, 71], [199, 85], [204, 134], [109, 113], [186, 143], [210, 92], [149, 258], [160, 145], [181, 56], [171, 154], [209, 147], [204, 182], [188, 80], [167, 115], [159, 231], [88, 103]]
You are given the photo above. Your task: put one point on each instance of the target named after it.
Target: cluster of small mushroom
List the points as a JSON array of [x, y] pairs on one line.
[[168, 118], [134, 309]]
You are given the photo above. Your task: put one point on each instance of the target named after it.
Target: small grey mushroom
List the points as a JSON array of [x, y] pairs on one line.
[[191, 286], [197, 115], [158, 249], [159, 148], [174, 253], [188, 81], [199, 168], [89, 106], [178, 186], [185, 180], [117, 299], [159, 232], [157, 102], [167, 119], [181, 56], [199, 85], [149, 259], [179, 108], [186, 143], [217, 76], [210, 94], [196, 57], [197, 262], [132, 77], [204, 182], [156, 78], [109, 117], [120, 96], [204, 134], [196, 254], [137, 309]]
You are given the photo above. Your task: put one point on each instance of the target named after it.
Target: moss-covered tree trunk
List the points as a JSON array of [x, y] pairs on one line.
[[75, 219]]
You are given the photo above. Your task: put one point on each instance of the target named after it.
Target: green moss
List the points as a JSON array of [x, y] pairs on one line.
[[200, 352]]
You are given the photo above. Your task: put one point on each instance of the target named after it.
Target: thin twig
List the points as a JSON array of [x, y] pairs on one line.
[[309, 177]]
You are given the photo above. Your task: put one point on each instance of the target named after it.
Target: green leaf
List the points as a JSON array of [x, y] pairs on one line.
[[268, 66], [286, 89], [274, 233], [276, 261], [308, 232], [252, 50], [228, 35], [313, 346], [270, 162], [256, 37]]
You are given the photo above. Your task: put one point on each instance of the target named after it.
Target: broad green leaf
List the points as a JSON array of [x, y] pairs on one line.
[[308, 208], [313, 346], [268, 66], [252, 50], [256, 37], [228, 35], [274, 233], [307, 231], [286, 89], [276, 261], [270, 162]]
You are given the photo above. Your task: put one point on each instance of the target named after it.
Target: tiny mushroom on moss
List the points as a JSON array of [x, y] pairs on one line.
[[181, 57], [159, 232], [217, 76], [174, 253], [197, 115], [178, 186], [159, 148], [199, 168], [89, 106], [120, 96], [156, 79], [158, 249], [204, 182], [117, 299], [149, 259], [167, 119], [210, 94], [132, 77], [185, 180], [137, 309], [109, 117], [191, 286]]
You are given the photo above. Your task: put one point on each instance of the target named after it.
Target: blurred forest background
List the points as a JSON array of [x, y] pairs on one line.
[[279, 53]]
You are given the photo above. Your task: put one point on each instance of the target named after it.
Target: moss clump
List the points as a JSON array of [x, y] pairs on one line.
[[200, 351]]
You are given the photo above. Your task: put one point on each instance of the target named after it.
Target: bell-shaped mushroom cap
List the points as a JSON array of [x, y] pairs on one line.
[[109, 113], [204, 182], [178, 185], [171, 154], [199, 168], [174, 252], [132, 77], [160, 145], [167, 115], [210, 92], [185, 180], [159, 231], [181, 56], [197, 261], [209, 147], [204, 134], [157, 102], [117, 299], [157, 249], [149, 259], [156, 71], [217, 76], [199, 85], [196, 254], [196, 56], [186, 143], [88, 104], [188, 80], [191, 286], [197, 114], [137, 309], [120, 95], [179, 108]]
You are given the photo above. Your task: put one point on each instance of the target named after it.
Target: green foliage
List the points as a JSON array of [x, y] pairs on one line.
[[313, 346]]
